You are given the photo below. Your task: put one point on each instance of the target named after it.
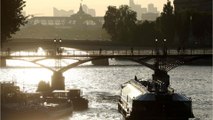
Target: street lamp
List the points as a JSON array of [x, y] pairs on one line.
[[156, 46], [164, 46], [58, 48]]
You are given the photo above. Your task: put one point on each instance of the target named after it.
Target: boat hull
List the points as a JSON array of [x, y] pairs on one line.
[[153, 106]]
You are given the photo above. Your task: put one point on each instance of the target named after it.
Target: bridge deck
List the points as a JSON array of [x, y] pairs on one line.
[[106, 53], [139, 56]]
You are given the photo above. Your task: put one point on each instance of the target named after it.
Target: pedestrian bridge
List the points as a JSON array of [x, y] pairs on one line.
[[138, 55], [164, 60]]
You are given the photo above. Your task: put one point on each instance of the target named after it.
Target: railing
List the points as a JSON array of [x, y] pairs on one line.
[[90, 53]]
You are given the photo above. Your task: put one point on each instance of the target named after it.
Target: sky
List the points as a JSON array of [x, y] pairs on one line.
[[45, 7]]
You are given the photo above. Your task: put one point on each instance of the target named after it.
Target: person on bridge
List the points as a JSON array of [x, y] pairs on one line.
[[8, 51], [132, 51], [100, 51]]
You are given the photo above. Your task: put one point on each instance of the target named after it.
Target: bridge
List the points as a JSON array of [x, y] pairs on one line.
[[161, 61]]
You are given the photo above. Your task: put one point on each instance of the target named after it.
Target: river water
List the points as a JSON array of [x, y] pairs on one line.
[[101, 85]]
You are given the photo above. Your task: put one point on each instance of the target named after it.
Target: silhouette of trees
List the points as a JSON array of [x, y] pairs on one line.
[[120, 23], [11, 17], [182, 22], [110, 19], [196, 25], [43, 87], [166, 23], [202, 27], [145, 33]]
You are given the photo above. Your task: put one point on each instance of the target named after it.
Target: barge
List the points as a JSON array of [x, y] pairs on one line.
[[153, 100], [72, 95], [16, 105]]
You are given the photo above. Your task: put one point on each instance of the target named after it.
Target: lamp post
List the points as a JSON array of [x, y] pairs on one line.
[[58, 49], [156, 46], [164, 47], [191, 41], [157, 53]]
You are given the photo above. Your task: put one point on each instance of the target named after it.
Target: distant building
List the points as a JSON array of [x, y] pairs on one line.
[[75, 19], [152, 9], [149, 13], [144, 10], [195, 5], [137, 8], [150, 16], [89, 11], [79, 26], [62, 13]]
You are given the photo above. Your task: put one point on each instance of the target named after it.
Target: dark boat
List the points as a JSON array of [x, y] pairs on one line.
[[16, 105], [74, 96], [153, 100]]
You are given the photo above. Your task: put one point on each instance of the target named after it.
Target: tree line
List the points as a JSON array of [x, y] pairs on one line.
[[177, 27]]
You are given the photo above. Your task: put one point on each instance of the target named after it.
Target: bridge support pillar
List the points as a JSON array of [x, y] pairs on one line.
[[162, 76], [57, 82], [3, 62], [100, 62]]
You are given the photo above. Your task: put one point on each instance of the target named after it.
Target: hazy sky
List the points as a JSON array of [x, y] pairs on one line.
[[45, 7]]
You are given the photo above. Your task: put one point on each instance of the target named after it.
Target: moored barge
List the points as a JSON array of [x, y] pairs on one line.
[[153, 100]]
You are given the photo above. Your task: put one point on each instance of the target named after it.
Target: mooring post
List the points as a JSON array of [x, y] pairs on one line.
[[57, 82]]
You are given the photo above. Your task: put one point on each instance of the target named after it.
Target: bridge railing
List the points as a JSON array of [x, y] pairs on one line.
[[105, 53]]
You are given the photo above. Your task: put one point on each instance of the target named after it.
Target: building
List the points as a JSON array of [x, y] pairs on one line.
[[195, 5], [80, 18], [149, 13], [79, 26], [89, 11], [137, 8], [150, 16], [152, 9], [62, 13]]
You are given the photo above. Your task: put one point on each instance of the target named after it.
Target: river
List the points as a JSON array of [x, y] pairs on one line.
[[101, 85]]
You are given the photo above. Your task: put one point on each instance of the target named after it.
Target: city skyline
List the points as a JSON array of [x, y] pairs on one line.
[[100, 6]]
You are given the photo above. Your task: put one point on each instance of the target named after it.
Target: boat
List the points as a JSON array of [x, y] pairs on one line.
[[16, 105], [78, 101], [54, 94], [153, 99], [74, 96]]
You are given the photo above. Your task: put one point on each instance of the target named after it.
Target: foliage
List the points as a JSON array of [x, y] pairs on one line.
[[195, 25], [12, 17], [182, 27], [201, 26], [120, 23], [43, 87], [166, 23], [110, 19], [145, 33]]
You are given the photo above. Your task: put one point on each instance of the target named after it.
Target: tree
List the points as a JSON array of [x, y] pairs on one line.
[[110, 19], [11, 17], [146, 33], [126, 23], [167, 22], [201, 27], [120, 23], [182, 21], [43, 87]]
